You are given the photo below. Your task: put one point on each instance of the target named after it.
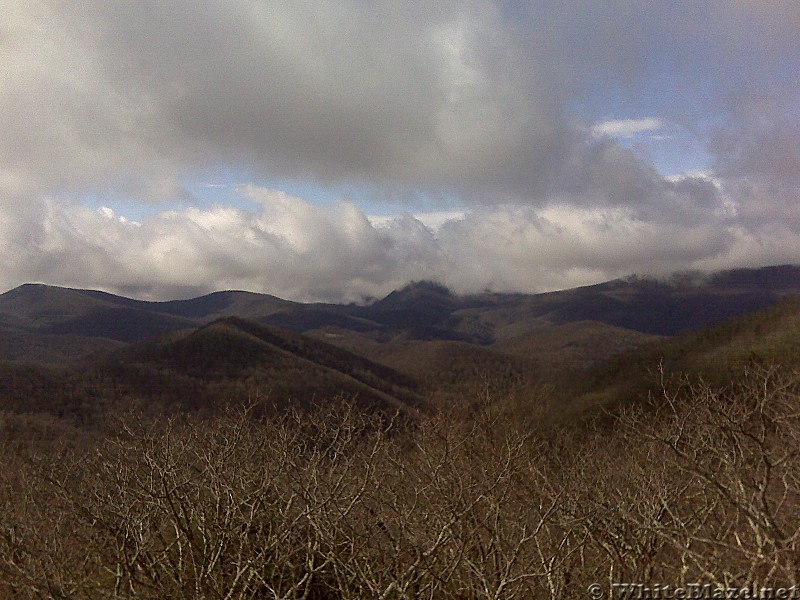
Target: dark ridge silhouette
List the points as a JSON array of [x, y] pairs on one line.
[[422, 305], [423, 311], [226, 303], [306, 318], [658, 309], [777, 278]]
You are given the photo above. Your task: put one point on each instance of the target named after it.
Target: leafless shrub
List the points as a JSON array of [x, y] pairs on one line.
[[336, 503], [734, 516]]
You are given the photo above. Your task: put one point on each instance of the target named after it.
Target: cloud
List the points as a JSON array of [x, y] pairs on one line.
[[474, 116], [295, 249], [445, 97], [625, 128], [433, 220], [124, 96], [757, 159]]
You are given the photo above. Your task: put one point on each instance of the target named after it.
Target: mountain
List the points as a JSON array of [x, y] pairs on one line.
[[20, 346], [454, 370], [40, 310], [716, 354], [651, 306], [573, 347], [657, 307], [227, 361], [78, 356], [235, 358], [31, 314]]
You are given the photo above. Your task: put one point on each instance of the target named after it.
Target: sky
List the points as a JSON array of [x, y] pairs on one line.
[[336, 150]]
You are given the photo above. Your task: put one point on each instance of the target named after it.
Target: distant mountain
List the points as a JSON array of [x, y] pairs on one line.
[[31, 314], [658, 307], [45, 310], [227, 361], [77, 355], [717, 354], [247, 305]]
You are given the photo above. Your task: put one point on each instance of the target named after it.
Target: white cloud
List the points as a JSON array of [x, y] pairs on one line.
[[625, 128], [433, 220], [294, 249]]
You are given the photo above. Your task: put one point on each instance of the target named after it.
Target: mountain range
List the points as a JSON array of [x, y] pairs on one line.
[[72, 353], [39, 320]]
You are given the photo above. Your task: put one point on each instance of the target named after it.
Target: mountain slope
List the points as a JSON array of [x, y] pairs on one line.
[[20, 346], [768, 338], [656, 307], [227, 361], [237, 350], [563, 350], [247, 305], [45, 310], [455, 371]]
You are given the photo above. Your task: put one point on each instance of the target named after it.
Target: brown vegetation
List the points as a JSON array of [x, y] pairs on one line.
[[698, 484]]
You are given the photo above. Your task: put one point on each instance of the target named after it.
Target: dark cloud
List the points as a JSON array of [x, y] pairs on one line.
[[493, 106]]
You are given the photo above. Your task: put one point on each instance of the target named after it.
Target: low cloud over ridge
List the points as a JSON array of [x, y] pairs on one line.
[[295, 249]]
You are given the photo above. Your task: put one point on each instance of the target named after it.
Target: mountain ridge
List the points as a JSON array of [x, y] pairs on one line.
[[420, 310], [227, 361]]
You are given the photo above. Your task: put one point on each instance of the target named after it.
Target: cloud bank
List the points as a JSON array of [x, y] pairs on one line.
[[295, 249], [504, 119]]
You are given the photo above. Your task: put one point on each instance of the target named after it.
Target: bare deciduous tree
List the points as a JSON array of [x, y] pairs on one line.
[[699, 484]]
